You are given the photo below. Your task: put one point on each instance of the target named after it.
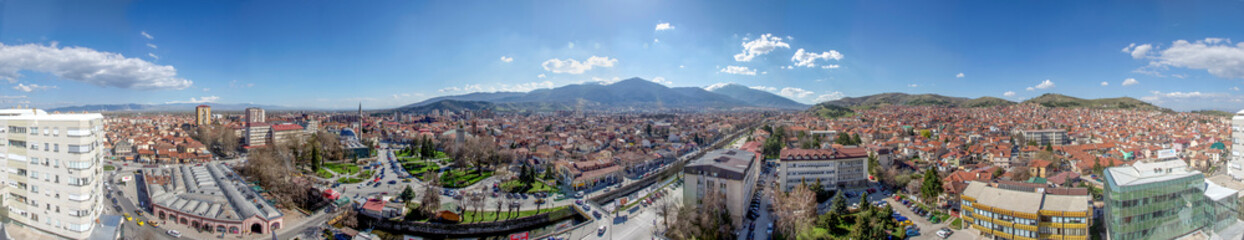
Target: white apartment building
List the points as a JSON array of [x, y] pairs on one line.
[[54, 170], [833, 167], [1235, 164], [726, 174]]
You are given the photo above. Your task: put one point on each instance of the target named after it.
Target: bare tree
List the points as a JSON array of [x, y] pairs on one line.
[[796, 210], [476, 200], [500, 203], [665, 208], [431, 200]]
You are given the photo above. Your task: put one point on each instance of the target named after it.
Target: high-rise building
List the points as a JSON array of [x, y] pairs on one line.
[[1235, 164], [728, 175], [832, 167], [203, 115], [1050, 137], [1164, 199], [254, 115], [53, 163], [1012, 210]]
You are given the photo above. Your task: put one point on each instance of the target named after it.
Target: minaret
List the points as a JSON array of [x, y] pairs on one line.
[[359, 124]]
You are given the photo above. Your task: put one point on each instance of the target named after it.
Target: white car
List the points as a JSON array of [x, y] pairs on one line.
[[174, 233], [601, 230]]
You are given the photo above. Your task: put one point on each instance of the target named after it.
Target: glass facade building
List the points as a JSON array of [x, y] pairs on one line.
[[1162, 200]]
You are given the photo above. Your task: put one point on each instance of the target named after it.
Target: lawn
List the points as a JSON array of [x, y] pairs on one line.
[[323, 173], [459, 178], [109, 168], [417, 168], [365, 174], [350, 180], [342, 168], [535, 187], [957, 223], [489, 216]]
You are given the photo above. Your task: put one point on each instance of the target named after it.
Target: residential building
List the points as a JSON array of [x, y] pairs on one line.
[[53, 164], [726, 174], [203, 115], [257, 134], [210, 197], [583, 175], [833, 167], [1164, 199], [254, 115], [1235, 166], [287, 132], [1011, 210], [1043, 137]]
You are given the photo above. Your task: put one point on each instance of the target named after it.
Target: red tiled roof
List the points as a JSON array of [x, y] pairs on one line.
[[285, 127], [822, 154]]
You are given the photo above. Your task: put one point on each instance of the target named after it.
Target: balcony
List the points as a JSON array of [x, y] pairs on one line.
[[79, 149], [79, 197], [79, 165], [79, 133]]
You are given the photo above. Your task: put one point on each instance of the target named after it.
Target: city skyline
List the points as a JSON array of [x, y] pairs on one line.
[[396, 53]]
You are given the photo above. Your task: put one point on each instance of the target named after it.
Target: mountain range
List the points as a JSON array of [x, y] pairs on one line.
[[166, 107], [629, 94], [846, 106]]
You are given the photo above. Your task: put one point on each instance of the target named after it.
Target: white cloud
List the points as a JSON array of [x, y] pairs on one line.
[[715, 86], [1129, 82], [1047, 84], [960, 75], [808, 59], [206, 99], [541, 76], [655, 40], [89, 66], [236, 84], [152, 46], [793, 92], [1104, 83], [1235, 88], [761, 46], [1138, 52], [148, 36], [1008, 94], [606, 81], [1030, 89], [507, 59], [664, 26], [32, 87], [831, 66], [207, 89], [407, 95], [764, 88], [1215, 55], [499, 87], [829, 97], [682, 66], [662, 81], [572, 66], [739, 70], [913, 85], [152, 55]]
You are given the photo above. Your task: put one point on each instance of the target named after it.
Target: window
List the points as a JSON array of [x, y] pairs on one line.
[[34, 130], [56, 147]]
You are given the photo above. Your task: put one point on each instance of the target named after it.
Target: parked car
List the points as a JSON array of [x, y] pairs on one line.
[[174, 233]]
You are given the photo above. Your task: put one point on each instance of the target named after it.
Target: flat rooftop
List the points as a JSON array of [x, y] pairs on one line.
[[726, 163], [1145, 172], [1025, 201]]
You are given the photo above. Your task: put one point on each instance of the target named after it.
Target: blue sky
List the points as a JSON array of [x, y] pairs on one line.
[[1183, 55]]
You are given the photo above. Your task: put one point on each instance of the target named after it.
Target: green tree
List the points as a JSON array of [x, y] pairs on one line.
[[316, 159], [407, 194], [864, 204], [926, 133], [855, 138], [932, 186], [839, 204]]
